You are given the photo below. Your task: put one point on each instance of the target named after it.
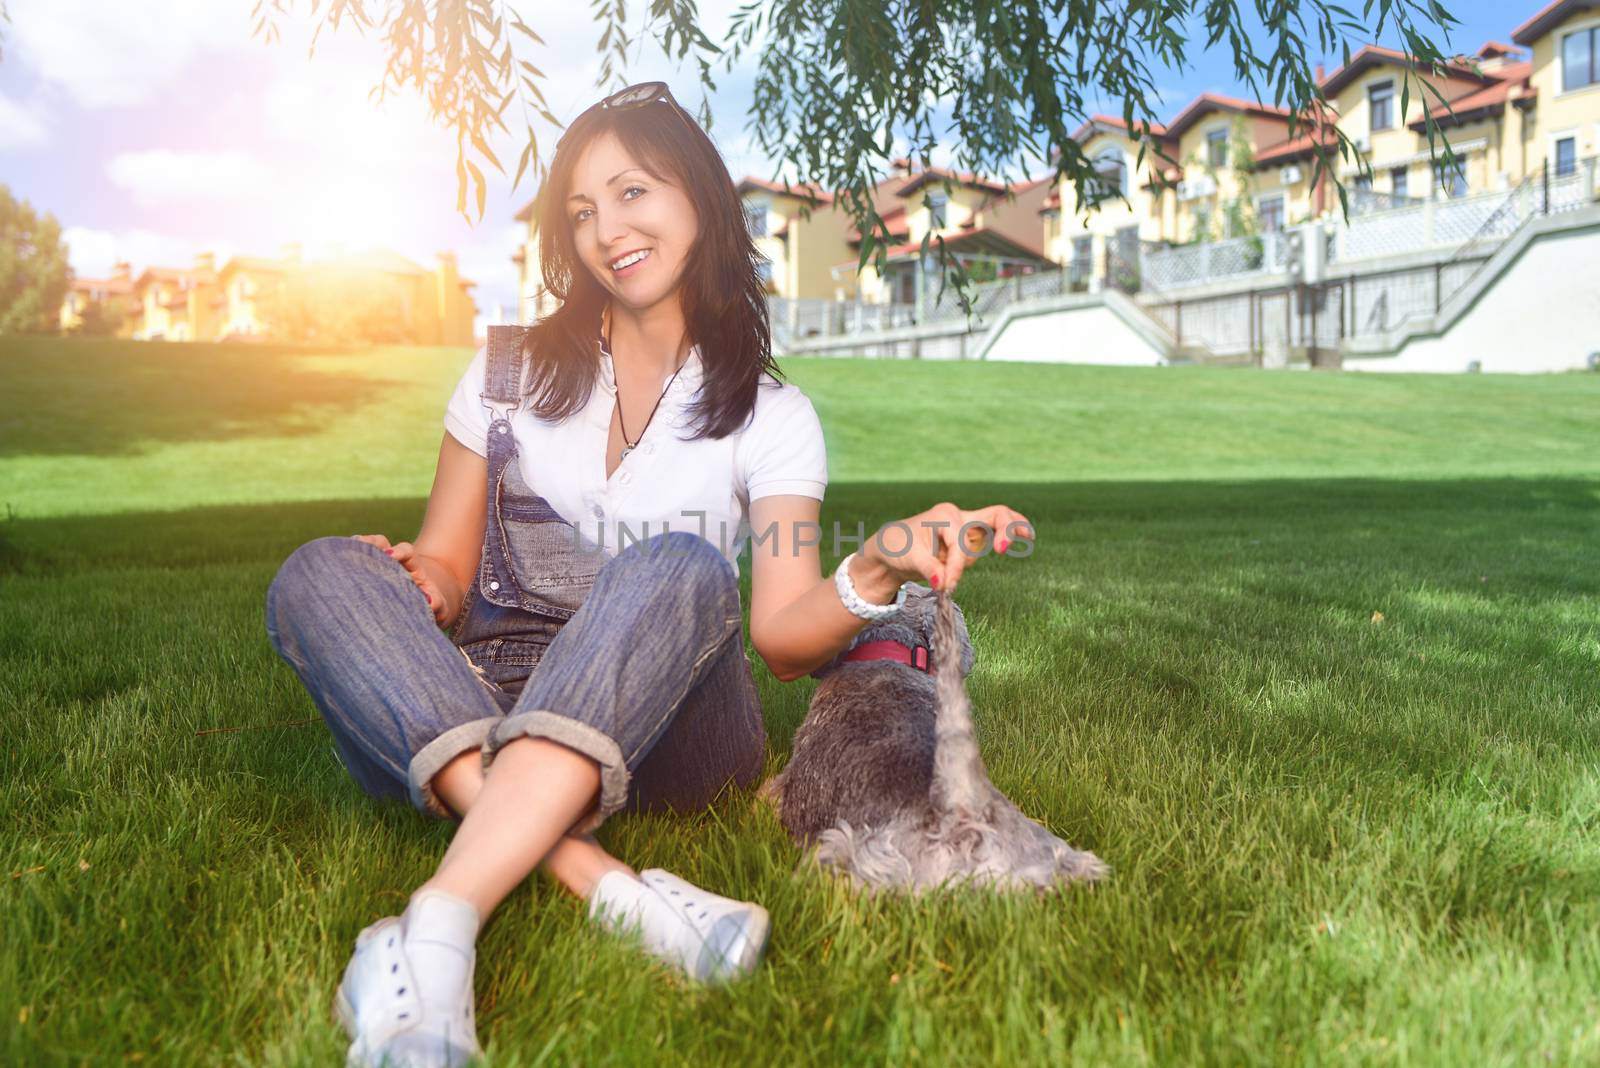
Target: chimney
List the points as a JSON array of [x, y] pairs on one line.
[[1319, 74], [122, 272], [205, 261]]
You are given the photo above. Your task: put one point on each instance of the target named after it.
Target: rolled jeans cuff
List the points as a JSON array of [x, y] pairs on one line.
[[579, 737], [432, 758]]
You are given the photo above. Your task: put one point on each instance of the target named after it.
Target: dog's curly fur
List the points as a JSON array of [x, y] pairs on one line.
[[886, 783]]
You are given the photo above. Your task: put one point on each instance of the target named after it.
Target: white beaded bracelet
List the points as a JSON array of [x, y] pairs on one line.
[[853, 600]]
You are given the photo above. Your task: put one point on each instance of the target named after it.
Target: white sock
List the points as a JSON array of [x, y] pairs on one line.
[[441, 934]]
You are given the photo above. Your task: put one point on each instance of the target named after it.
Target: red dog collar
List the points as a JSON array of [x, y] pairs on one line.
[[891, 650]]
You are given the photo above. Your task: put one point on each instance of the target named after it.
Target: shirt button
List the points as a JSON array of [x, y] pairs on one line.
[[626, 476], [494, 585], [599, 512]]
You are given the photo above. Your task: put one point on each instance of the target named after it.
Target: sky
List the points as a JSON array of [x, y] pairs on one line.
[[157, 129]]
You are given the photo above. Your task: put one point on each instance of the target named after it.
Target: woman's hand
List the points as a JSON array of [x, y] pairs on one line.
[[405, 554], [937, 545]]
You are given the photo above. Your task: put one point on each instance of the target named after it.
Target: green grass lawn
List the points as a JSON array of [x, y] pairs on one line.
[[1336, 837]]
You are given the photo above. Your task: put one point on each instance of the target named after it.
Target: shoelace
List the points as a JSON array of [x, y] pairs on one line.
[[685, 904]]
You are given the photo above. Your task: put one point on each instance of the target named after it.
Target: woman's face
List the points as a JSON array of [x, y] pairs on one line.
[[616, 209]]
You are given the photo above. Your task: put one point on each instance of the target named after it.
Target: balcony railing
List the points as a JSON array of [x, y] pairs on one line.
[[1213, 261]]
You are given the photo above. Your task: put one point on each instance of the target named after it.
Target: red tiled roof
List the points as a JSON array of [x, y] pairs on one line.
[[1548, 18], [1087, 130], [1513, 84], [1172, 175], [110, 285], [966, 178], [1373, 55], [952, 241], [253, 263], [796, 190], [894, 219], [1491, 49], [1209, 102], [1294, 148]]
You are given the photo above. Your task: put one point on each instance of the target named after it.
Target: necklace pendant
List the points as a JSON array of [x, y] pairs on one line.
[[623, 455]]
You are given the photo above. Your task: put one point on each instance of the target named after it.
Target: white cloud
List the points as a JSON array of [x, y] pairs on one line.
[[21, 125], [163, 176], [117, 54], [93, 252]]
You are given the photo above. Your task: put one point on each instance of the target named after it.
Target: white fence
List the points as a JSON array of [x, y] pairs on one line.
[[1442, 223], [1189, 265]]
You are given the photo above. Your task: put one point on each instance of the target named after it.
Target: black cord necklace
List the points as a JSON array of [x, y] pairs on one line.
[[628, 446]]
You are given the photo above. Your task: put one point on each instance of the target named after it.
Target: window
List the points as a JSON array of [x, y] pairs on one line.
[[937, 203], [1217, 148], [1566, 156], [755, 219], [1363, 183], [1453, 180], [1397, 181], [1112, 171], [1380, 98], [1082, 253], [1270, 209], [1082, 258], [1580, 59]]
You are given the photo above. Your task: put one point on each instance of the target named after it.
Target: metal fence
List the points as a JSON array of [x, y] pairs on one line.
[[798, 319]]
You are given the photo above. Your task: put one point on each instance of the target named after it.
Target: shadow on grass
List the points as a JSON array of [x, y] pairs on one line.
[[1535, 534], [104, 397]]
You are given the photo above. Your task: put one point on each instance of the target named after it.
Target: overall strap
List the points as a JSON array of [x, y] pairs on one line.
[[502, 376]]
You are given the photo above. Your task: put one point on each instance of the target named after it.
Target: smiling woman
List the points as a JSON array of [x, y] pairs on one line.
[[581, 677]]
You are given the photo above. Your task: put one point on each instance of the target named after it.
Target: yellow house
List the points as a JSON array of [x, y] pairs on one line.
[[423, 307], [1565, 81], [1501, 116], [1366, 93], [248, 285], [534, 302], [1191, 198], [799, 253], [116, 293], [177, 304], [1077, 235], [990, 232]]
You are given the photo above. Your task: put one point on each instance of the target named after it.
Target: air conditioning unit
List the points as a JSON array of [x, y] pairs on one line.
[[1289, 175], [1362, 143], [1195, 188]]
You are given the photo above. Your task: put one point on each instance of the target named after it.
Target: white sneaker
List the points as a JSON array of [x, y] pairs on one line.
[[393, 1020], [710, 938]]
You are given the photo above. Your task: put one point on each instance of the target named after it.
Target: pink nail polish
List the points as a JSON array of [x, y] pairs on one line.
[[389, 551], [1002, 546], [934, 581]]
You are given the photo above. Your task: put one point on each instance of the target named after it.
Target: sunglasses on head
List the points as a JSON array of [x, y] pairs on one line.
[[634, 96]]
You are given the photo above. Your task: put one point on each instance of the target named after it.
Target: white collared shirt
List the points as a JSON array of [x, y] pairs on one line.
[[665, 481]]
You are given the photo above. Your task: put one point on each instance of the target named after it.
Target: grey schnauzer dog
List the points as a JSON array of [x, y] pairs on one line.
[[885, 782]]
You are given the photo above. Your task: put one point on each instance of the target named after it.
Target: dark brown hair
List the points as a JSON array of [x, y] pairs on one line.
[[724, 301]]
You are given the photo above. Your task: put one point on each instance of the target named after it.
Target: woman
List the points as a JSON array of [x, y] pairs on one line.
[[645, 697]]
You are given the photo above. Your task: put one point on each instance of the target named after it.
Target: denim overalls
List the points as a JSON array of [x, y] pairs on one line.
[[651, 680], [536, 569]]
